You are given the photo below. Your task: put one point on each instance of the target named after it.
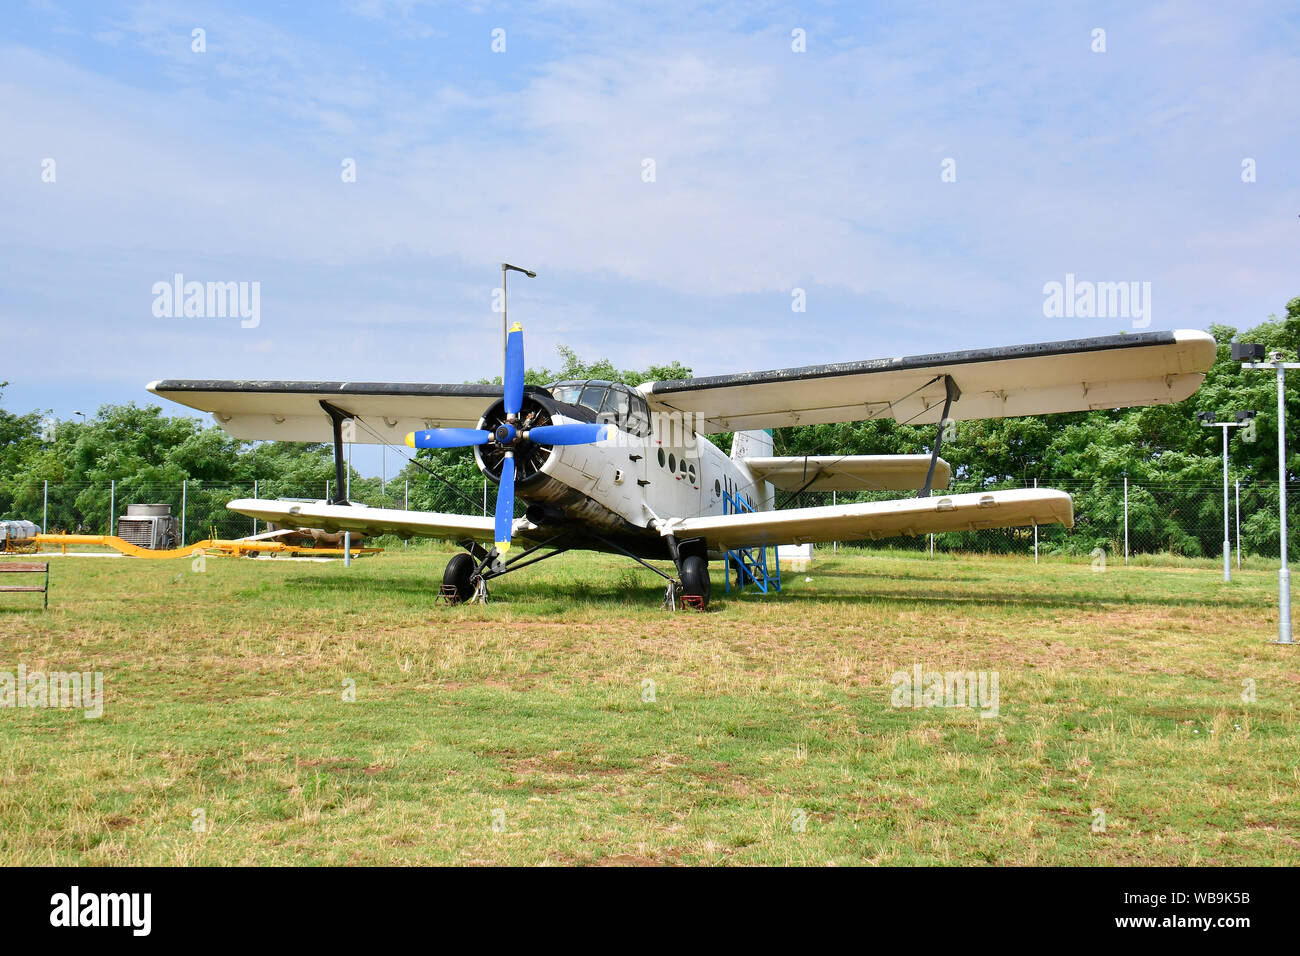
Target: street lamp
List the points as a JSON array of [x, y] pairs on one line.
[[83, 416], [1250, 355], [507, 267], [1208, 420]]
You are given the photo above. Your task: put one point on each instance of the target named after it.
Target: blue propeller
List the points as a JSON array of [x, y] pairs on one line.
[[507, 434], [505, 513], [566, 434], [448, 438]]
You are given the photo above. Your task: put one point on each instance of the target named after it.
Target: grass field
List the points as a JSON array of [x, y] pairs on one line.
[[528, 732]]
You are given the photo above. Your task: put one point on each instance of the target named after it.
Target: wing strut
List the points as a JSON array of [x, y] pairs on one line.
[[952, 394], [337, 417]]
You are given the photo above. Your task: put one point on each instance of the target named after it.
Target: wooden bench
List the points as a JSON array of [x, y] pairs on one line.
[[29, 568]]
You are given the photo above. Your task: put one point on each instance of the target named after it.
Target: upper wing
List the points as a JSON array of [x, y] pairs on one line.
[[291, 411], [848, 472], [879, 519], [371, 521], [1146, 368]]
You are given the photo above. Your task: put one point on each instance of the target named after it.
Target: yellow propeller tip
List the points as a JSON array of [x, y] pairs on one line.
[[516, 327], [503, 547], [410, 439]]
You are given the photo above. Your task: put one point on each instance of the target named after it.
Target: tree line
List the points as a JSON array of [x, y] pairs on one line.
[[1171, 461]]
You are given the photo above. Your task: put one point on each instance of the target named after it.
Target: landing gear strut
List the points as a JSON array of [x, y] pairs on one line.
[[465, 579], [467, 574]]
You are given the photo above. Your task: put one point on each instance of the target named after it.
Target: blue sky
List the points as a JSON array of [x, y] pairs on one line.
[[774, 170]]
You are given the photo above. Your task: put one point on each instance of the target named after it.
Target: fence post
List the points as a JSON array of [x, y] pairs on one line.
[[835, 545], [1126, 519], [406, 503], [1237, 487], [1035, 532], [254, 495], [45, 509], [185, 488], [485, 497], [327, 490], [112, 506]]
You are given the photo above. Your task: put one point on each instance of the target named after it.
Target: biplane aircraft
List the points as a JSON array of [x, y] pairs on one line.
[[604, 467]]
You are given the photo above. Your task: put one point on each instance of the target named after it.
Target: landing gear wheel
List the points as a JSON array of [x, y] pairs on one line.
[[695, 578], [459, 577]]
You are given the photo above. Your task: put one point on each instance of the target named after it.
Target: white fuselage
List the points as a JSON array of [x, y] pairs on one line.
[[624, 486]]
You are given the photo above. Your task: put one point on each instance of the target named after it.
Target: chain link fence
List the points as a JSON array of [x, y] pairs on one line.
[[1121, 518], [1136, 518]]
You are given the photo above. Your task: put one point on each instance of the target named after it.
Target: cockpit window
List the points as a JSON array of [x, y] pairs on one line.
[[612, 401], [593, 395], [566, 392], [617, 403]]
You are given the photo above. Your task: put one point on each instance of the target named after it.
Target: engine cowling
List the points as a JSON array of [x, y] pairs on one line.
[[536, 410]]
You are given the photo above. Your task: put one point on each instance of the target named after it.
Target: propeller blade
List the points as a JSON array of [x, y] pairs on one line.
[[573, 434], [505, 516], [447, 438], [514, 371]]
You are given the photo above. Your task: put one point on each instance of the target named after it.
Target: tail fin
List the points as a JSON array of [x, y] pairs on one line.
[[755, 444]]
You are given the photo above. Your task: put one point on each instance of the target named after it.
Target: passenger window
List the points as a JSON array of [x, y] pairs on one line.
[[672, 463], [662, 458]]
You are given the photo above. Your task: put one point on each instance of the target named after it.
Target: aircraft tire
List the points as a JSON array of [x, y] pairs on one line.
[[460, 575], [695, 577]]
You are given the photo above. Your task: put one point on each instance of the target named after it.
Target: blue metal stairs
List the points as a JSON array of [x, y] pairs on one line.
[[751, 563]]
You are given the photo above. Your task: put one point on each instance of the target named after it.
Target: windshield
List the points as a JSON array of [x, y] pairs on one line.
[[612, 401]]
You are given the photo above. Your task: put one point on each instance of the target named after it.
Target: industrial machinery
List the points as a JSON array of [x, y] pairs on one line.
[[18, 536], [148, 526]]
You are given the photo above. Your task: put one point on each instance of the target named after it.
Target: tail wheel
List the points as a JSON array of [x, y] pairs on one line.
[[460, 576], [695, 577]]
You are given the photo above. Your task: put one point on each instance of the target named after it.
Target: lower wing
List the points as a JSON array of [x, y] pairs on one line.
[[371, 521], [879, 519]]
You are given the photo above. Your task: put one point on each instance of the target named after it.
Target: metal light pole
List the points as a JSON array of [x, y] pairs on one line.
[[1208, 421], [1283, 572], [1227, 543], [1250, 355], [507, 267]]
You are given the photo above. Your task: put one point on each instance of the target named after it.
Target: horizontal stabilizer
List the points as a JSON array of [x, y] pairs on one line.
[[849, 472]]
